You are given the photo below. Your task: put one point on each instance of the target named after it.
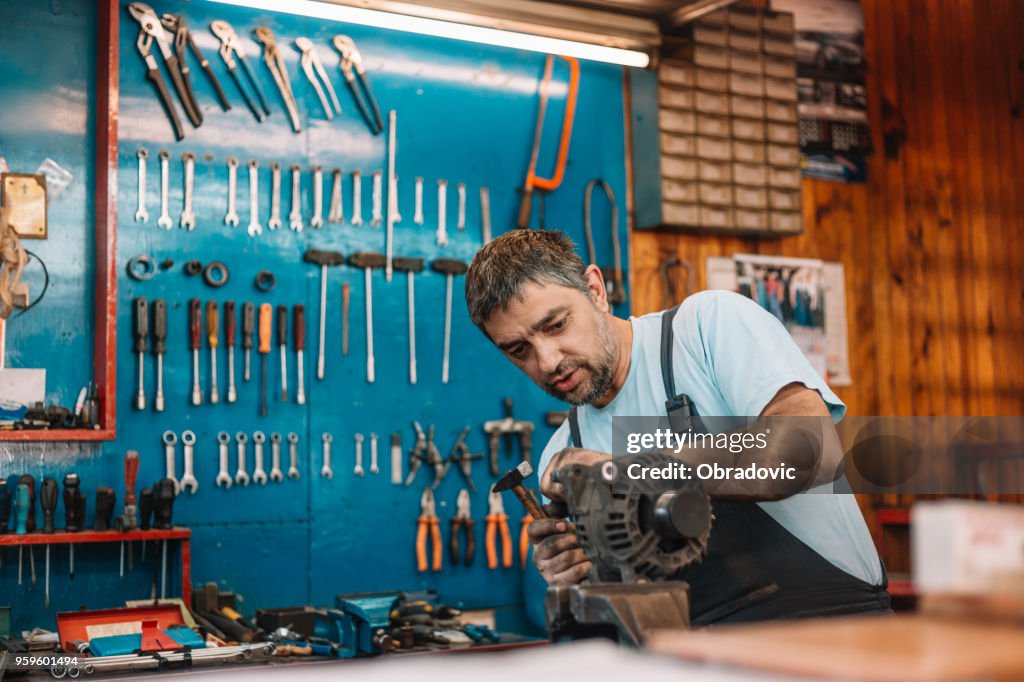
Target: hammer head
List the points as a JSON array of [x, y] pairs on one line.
[[514, 477]]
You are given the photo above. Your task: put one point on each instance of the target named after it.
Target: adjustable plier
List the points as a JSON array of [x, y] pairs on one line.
[[145, 45], [314, 68], [231, 47], [352, 67], [462, 520], [275, 62], [176, 24]]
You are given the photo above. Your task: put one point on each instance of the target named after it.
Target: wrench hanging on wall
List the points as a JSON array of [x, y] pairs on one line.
[[230, 47], [275, 62]]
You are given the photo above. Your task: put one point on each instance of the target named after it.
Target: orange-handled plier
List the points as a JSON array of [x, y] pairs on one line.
[[496, 518], [533, 181], [524, 541], [428, 522]]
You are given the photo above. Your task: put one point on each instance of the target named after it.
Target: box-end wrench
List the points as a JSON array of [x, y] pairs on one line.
[[231, 217], [188, 216], [275, 197], [374, 468], [293, 456], [326, 470], [170, 440], [417, 216], [164, 220], [255, 228], [241, 475], [259, 476], [223, 477], [317, 221], [357, 197], [442, 201], [188, 480], [377, 216], [295, 217], [141, 214], [461, 221], [358, 470], [275, 458]]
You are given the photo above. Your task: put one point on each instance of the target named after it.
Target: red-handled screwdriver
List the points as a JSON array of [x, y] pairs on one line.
[[299, 323], [229, 341]]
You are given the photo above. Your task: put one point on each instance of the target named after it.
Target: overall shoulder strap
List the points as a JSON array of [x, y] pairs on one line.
[[574, 428], [677, 405]]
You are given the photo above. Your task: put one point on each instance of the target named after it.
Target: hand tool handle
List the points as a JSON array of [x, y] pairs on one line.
[[282, 325], [195, 322], [346, 296], [163, 504], [248, 323], [323, 258], [159, 326], [470, 542], [506, 542], [48, 500], [525, 208], [104, 507], [221, 97], [299, 322], [131, 472], [448, 266], [528, 500], [524, 541], [30, 483], [266, 312], [5, 505], [21, 507], [145, 508], [435, 536], [74, 504], [179, 85], [229, 323], [140, 308], [421, 545], [153, 75], [492, 555], [555, 180], [212, 324], [367, 259]]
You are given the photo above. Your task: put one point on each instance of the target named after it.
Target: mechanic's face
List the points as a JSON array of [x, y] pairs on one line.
[[561, 337]]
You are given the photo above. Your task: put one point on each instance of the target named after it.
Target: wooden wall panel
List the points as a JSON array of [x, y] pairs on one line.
[[933, 243]]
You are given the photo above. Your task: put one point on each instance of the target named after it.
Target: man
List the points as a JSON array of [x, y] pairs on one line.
[[770, 555]]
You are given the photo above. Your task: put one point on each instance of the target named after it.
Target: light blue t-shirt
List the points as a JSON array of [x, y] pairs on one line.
[[731, 357]]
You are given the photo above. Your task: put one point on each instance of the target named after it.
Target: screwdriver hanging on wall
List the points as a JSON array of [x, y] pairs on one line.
[[213, 340], [282, 344], [266, 312], [140, 309], [229, 341], [195, 323], [248, 328], [159, 348], [299, 324]]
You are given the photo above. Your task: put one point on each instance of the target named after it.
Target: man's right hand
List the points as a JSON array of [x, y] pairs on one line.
[[557, 552]]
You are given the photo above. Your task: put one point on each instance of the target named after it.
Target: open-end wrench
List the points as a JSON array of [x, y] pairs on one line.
[[258, 475], [442, 201], [142, 215], [188, 480], [170, 440], [417, 216], [485, 214], [255, 228], [377, 216], [358, 470], [374, 468], [188, 216], [223, 477], [461, 221], [164, 220], [275, 457], [293, 456], [317, 221], [337, 214], [295, 217], [231, 217], [357, 198], [326, 470], [275, 197], [396, 216], [241, 475]]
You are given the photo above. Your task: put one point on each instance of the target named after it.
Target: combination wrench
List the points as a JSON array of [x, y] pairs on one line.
[[231, 217], [317, 221], [293, 456], [241, 475], [295, 217], [375, 198], [442, 201], [357, 198], [461, 222], [223, 477], [337, 214], [170, 440], [164, 220], [188, 480], [258, 475], [326, 470], [417, 216], [275, 197], [275, 457], [255, 229], [188, 217], [358, 470], [374, 468], [141, 214]]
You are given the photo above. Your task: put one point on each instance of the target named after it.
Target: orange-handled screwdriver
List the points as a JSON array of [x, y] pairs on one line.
[[266, 315]]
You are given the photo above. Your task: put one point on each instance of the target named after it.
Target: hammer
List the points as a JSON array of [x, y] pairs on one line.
[[513, 480]]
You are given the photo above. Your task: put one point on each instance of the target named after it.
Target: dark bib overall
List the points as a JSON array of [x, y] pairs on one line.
[[755, 569]]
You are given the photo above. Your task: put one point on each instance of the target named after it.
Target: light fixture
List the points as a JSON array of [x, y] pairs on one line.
[[450, 29]]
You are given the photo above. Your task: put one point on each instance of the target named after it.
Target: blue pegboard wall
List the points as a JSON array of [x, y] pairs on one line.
[[466, 114]]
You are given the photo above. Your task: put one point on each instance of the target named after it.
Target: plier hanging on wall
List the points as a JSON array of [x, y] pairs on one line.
[[461, 456], [145, 45], [150, 25], [275, 62], [314, 68], [230, 47], [497, 521], [428, 524], [462, 520], [175, 23], [352, 67]]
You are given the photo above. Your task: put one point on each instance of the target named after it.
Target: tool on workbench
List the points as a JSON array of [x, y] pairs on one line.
[[231, 47], [266, 311], [74, 514], [195, 323], [462, 520], [213, 340], [316, 74], [159, 349], [229, 340], [449, 267], [463, 458], [282, 344], [324, 259], [410, 266], [150, 29], [497, 429], [497, 521], [275, 62], [299, 330], [140, 332], [368, 261], [533, 181], [105, 500], [613, 276], [176, 24], [248, 329], [417, 454], [428, 524], [353, 68]]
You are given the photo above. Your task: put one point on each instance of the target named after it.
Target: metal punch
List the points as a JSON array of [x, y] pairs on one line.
[[275, 62], [176, 24], [352, 67], [315, 72], [231, 47]]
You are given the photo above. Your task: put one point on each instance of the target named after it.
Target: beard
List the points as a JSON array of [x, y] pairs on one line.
[[595, 375]]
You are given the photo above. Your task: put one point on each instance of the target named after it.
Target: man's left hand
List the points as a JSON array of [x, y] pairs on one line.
[[566, 457]]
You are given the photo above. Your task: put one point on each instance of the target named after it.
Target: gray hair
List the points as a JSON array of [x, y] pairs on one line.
[[504, 265]]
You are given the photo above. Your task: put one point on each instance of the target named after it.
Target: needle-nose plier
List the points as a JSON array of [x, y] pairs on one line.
[[428, 524], [231, 47], [497, 520], [352, 67], [462, 519], [176, 24], [275, 62], [316, 73]]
